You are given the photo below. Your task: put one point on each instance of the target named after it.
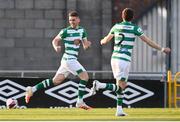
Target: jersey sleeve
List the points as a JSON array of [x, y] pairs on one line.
[[112, 30], [138, 31], [84, 35], [61, 34]]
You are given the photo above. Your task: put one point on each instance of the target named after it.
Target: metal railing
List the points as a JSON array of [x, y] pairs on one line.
[[93, 74], [173, 85]]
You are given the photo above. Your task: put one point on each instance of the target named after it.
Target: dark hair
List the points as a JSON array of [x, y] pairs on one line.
[[73, 14], [128, 14]]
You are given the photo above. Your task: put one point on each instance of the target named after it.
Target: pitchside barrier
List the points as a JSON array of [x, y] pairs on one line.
[[139, 93]]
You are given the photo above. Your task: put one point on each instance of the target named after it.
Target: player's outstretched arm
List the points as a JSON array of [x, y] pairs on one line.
[[151, 43], [56, 44], [106, 39]]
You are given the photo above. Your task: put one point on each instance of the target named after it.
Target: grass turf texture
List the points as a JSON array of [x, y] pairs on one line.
[[145, 114]]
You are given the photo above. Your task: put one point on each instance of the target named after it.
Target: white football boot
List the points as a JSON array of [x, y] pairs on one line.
[[120, 113], [95, 87]]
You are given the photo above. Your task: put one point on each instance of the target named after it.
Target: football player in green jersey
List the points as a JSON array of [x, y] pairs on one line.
[[72, 37], [124, 34]]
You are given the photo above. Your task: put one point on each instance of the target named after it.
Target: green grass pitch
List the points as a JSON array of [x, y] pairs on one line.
[[135, 114]]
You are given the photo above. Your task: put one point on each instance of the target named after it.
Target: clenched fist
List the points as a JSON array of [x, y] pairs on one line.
[[77, 42]]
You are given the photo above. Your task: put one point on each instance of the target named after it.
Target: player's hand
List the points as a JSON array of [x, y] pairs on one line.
[[77, 42], [102, 42], [166, 50], [87, 45], [58, 49]]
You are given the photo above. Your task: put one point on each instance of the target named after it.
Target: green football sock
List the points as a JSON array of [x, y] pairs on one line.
[[81, 89], [119, 97], [119, 100], [112, 87], [44, 84]]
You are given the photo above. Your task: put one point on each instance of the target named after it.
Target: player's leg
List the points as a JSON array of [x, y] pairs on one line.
[[119, 110], [82, 84], [61, 74], [117, 88], [77, 69], [30, 90], [81, 90], [104, 86], [43, 85], [121, 80], [113, 87], [107, 86], [120, 71]]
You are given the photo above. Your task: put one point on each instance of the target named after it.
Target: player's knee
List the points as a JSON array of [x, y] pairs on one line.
[[87, 77], [122, 84], [57, 80], [84, 76]]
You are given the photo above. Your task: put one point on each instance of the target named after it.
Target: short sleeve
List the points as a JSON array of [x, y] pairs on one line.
[[112, 30], [138, 31], [61, 34], [84, 35]]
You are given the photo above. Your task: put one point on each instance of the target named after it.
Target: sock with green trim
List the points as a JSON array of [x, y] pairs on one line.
[[120, 96], [81, 89], [120, 99], [42, 85], [108, 86], [112, 87]]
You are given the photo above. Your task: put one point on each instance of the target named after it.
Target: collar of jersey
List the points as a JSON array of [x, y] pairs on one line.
[[126, 22], [74, 28]]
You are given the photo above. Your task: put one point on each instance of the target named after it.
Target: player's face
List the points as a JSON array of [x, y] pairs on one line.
[[74, 21]]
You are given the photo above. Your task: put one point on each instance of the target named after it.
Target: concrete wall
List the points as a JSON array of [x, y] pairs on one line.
[[27, 28]]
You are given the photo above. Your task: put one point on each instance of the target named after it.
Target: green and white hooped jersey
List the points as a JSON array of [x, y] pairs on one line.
[[68, 35], [124, 37]]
